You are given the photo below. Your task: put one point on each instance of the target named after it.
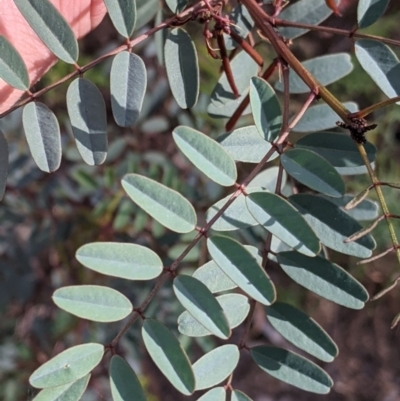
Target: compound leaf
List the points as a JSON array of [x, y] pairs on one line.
[[332, 225], [339, 150], [128, 261], [206, 154], [128, 81], [245, 145], [321, 117], [123, 15], [51, 27], [223, 102], [93, 302], [242, 268], [281, 219], [235, 306], [215, 366], [68, 366], [124, 383], [87, 112], [182, 68], [3, 164], [325, 278], [381, 64], [215, 394], [265, 108], [292, 368], [67, 392], [369, 11], [313, 171], [165, 205], [43, 136], [12, 67], [168, 355], [201, 304], [311, 12], [326, 69], [301, 330]]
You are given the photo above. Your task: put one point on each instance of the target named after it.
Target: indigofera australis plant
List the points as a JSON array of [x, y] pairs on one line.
[[298, 228]]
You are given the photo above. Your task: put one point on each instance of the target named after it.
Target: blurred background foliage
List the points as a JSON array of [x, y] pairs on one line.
[[45, 218]]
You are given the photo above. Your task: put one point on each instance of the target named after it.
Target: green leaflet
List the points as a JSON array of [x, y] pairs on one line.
[[292, 369], [339, 150], [236, 215], [123, 15], [366, 210], [43, 136], [381, 64], [215, 279], [301, 330], [145, 11], [242, 268], [369, 11], [124, 383], [93, 302], [223, 102], [128, 81], [168, 355], [245, 145], [51, 27], [176, 6], [71, 391], [326, 69], [128, 261], [235, 306], [314, 171], [242, 23], [281, 219], [332, 225], [206, 154], [215, 366], [321, 117], [182, 68], [201, 304], [325, 278], [265, 108], [68, 366], [239, 396], [165, 205], [311, 12], [87, 112], [215, 394], [12, 67]]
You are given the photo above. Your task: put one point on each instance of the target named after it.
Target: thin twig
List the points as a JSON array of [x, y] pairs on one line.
[[226, 65], [336, 31], [247, 48]]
